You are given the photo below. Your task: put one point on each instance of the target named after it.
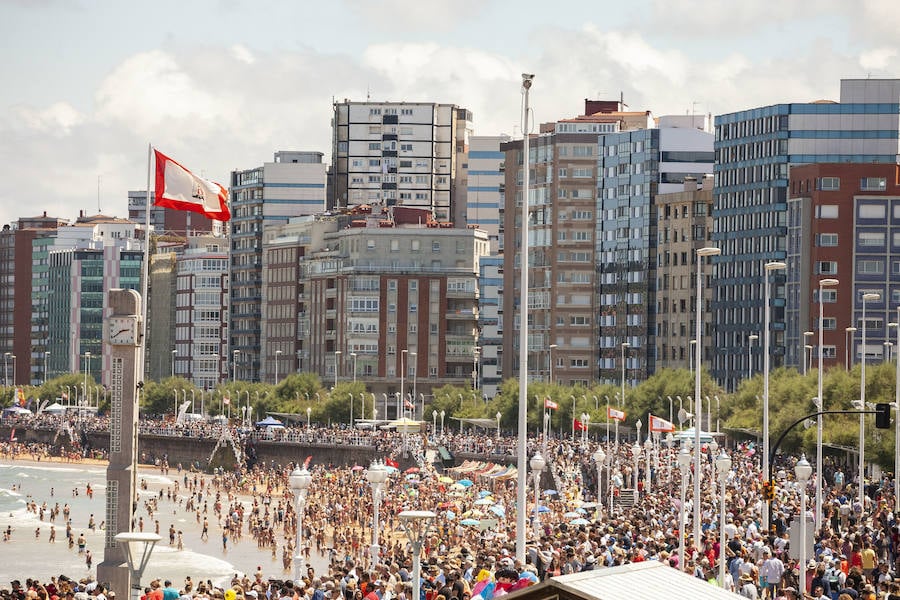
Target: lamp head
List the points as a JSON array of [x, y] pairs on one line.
[[775, 266], [537, 462], [803, 470]]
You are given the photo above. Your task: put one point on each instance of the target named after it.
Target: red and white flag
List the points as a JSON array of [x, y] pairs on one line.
[[548, 403], [578, 425], [178, 188], [660, 424], [615, 415], [226, 400]]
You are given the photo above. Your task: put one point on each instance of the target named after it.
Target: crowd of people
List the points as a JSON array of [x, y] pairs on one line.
[[470, 552]]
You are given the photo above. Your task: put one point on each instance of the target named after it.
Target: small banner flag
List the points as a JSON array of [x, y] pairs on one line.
[[615, 415], [660, 424], [548, 403], [226, 400], [579, 426], [178, 188], [391, 463]]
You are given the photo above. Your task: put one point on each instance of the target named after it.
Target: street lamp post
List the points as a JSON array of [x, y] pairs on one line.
[[862, 400], [299, 481], [308, 415], [723, 465], [442, 423], [684, 465], [551, 348], [624, 345], [648, 472], [337, 357], [414, 524], [414, 356], [849, 331], [376, 476], [802, 471], [353, 356], [807, 351], [823, 283], [402, 406], [234, 362], [475, 354], [277, 358], [896, 420], [434, 423], [174, 354], [46, 365], [709, 252], [87, 368], [498, 415], [752, 338], [599, 460], [767, 333], [537, 467], [636, 453]]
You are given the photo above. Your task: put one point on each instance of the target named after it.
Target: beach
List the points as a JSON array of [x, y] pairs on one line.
[[54, 483]]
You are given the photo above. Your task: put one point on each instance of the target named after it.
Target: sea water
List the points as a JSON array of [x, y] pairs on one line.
[[28, 555]]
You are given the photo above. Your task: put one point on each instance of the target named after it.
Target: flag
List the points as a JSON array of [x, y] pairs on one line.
[[660, 424], [20, 396], [307, 461], [226, 400], [615, 415], [407, 404], [391, 463], [548, 403], [579, 426], [178, 188]]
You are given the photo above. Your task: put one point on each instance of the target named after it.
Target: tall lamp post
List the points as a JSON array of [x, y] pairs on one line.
[[498, 415], [823, 283], [802, 471], [708, 252], [767, 333], [415, 525], [277, 358], [752, 338], [87, 369], [849, 331], [723, 465], [684, 465], [299, 481], [174, 354], [624, 346], [138, 547], [46, 365], [522, 417], [636, 453], [537, 467], [551, 347], [234, 362], [6, 368], [862, 400], [402, 406], [337, 358], [599, 460], [896, 419], [376, 476], [353, 356], [807, 351]]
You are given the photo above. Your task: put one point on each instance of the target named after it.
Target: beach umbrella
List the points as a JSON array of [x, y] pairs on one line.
[[572, 515], [484, 502], [389, 469], [498, 510], [588, 505], [469, 522], [412, 477], [450, 515], [579, 521], [458, 488], [445, 479], [551, 493], [465, 482], [484, 493], [543, 509], [412, 470], [357, 468]]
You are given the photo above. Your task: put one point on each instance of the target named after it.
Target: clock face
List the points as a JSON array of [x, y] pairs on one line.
[[122, 331]]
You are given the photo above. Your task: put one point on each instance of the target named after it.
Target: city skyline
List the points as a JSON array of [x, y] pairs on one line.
[[90, 86]]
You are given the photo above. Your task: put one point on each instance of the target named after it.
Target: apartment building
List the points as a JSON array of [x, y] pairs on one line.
[[484, 181], [843, 222], [755, 152], [393, 305], [683, 219], [400, 153], [293, 185]]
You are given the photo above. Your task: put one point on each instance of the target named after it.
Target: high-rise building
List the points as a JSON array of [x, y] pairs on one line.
[[400, 153], [483, 176], [22, 331], [293, 185], [635, 168], [391, 305], [843, 223], [755, 150], [683, 219], [490, 324]]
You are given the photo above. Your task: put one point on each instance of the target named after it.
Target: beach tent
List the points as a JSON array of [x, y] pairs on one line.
[[269, 422], [688, 434], [55, 409], [15, 411]]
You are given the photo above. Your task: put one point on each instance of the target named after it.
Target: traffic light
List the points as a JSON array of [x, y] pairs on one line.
[[883, 415], [768, 491]]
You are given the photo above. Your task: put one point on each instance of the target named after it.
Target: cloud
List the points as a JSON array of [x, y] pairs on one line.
[[56, 120], [404, 16]]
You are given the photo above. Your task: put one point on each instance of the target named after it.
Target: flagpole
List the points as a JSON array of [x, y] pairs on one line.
[[145, 280]]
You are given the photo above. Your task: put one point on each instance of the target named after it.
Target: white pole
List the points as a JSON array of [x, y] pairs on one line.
[[771, 266], [522, 465], [821, 404]]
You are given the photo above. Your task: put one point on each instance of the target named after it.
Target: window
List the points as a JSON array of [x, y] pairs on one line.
[[828, 296], [370, 244], [828, 184], [414, 245], [826, 267], [871, 211], [406, 148], [870, 267], [873, 184], [395, 245], [413, 308], [829, 323], [827, 211], [827, 240], [871, 238], [563, 172], [578, 320], [435, 246], [374, 145], [578, 363]]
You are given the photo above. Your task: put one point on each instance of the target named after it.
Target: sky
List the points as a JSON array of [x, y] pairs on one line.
[[89, 85]]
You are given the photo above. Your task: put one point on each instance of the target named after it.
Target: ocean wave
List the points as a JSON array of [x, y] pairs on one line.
[[9, 493]]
